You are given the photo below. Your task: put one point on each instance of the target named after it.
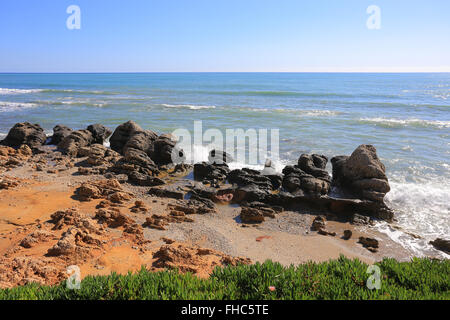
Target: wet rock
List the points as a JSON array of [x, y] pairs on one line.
[[26, 133], [210, 172], [99, 133], [441, 244], [59, 133], [219, 157], [363, 174], [71, 144]]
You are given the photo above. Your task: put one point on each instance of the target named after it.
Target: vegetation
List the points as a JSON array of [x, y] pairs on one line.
[[337, 279]]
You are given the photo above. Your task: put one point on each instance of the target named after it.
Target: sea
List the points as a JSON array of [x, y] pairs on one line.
[[405, 116]]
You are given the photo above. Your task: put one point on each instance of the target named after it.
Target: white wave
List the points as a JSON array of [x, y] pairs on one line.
[[187, 106], [6, 91], [407, 122], [421, 209], [6, 106], [299, 112]]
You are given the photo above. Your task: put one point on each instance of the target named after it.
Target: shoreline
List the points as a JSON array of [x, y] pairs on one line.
[[111, 224]]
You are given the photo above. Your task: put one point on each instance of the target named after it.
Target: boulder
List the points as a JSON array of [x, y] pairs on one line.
[[26, 133], [308, 176], [165, 150], [363, 174], [99, 133], [59, 133], [441, 244], [122, 134], [71, 144], [210, 172]]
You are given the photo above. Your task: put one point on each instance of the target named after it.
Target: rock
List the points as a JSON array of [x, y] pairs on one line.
[[71, 144], [122, 134], [326, 233], [210, 172], [368, 242], [269, 168], [25, 133], [8, 183], [251, 215], [119, 197], [192, 206], [142, 140], [99, 133], [141, 159], [165, 149], [318, 223], [219, 157], [166, 193], [59, 133], [347, 234], [361, 220], [35, 237], [441, 244], [307, 177], [142, 179], [363, 174], [160, 222]]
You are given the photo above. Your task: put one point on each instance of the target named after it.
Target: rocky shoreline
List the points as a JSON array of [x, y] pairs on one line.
[[132, 193]]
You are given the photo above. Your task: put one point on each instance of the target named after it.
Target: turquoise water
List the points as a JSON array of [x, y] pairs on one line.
[[406, 116]]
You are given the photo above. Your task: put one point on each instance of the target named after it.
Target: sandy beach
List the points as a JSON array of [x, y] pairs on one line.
[[54, 214]]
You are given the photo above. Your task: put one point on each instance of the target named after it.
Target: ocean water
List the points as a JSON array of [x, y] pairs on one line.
[[406, 116]]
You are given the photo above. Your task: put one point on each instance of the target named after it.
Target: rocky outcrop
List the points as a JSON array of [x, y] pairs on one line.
[[211, 173], [99, 133], [26, 133], [362, 174], [308, 176], [441, 244], [122, 135], [59, 133], [71, 144]]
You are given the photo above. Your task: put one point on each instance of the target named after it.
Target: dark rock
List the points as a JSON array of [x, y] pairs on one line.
[[368, 242], [142, 140], [165, 151], [219, 157], [361, 220], [99, 133], [122, 134], [347, 234], [308, 175], [362, 173], [140, 158], [210, 172], [71, 144], [26, 133], [142, 179], [441, 244], [59, 133]]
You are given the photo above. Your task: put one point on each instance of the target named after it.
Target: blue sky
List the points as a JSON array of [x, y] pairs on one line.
[[224, 35]]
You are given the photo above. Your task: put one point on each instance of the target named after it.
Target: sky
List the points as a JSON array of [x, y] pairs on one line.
[[225, 36]]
